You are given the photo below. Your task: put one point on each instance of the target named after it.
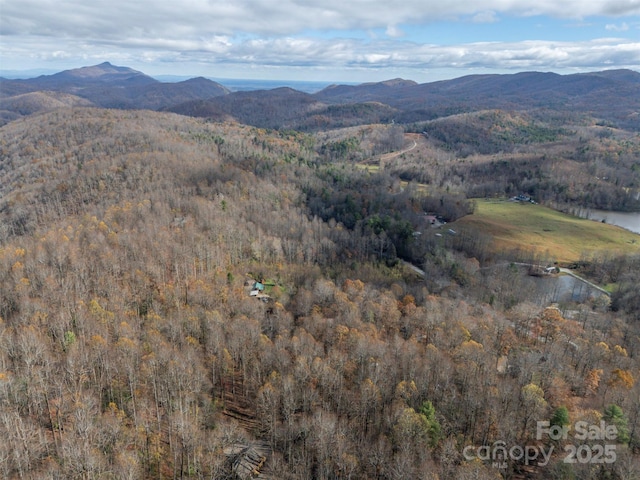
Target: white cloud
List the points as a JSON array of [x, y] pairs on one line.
[[623, 27], [348, 55], [336, 35], [394, 31], [485, 17], [119, 18], [354, 53]]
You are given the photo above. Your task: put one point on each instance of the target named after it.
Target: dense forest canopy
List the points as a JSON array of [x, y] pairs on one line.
[[131, 346]]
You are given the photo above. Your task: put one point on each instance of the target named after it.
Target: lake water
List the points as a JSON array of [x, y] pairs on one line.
[[630, 221]]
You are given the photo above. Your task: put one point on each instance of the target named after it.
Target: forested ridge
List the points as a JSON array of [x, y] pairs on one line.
[[130, 346]]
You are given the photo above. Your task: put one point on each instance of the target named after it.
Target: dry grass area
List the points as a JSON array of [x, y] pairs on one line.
[[562, 237]]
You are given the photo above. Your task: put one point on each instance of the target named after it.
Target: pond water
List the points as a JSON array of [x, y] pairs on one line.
[[630, 221], [564, 288]]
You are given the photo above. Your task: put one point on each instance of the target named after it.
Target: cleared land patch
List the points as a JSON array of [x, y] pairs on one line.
[[563, 238]]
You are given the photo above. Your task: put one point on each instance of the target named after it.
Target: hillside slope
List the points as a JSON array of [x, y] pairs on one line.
[[29, 103], [130, 346]]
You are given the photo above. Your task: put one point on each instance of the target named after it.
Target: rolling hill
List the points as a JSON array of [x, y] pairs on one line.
[[612, 97], [28, 103], [131, 347]]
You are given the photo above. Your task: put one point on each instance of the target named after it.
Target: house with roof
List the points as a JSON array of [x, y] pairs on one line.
[[256, 289]]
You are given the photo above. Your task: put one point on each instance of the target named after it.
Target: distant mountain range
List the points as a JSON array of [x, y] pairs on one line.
[[611, 96], [109, 86]]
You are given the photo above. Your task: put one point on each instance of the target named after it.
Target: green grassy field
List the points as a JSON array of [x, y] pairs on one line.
[[564, 238]]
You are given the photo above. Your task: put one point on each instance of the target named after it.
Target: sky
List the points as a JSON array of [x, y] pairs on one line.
[[330, 40]]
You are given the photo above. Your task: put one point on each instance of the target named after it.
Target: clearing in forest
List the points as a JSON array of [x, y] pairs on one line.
[[561, 237]]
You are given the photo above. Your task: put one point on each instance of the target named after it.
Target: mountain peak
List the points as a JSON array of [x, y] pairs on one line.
[[394, 82], [100, 70], [398, 82]]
